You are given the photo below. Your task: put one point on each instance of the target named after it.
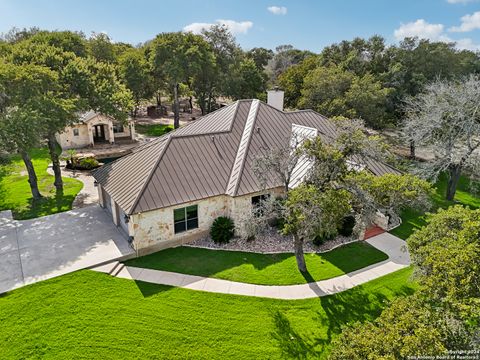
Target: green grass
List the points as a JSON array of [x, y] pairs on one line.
[[265, 269], [89, 315], [412, 220], [15, 191], [154, 129]]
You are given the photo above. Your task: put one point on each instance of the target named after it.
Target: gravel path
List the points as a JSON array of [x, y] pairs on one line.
[[270, 243]]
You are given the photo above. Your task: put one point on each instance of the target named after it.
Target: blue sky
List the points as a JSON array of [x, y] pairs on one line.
[[306, 24]]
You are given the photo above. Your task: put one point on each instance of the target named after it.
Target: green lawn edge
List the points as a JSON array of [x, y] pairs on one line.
[[92, 315], [261, 269], [153, 129], [15, 191], [413, 220]]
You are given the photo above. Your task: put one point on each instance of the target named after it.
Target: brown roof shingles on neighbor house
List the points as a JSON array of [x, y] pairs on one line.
[[212, 156]]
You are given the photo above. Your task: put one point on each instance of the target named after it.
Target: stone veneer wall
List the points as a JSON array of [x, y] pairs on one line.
[[154, 230]]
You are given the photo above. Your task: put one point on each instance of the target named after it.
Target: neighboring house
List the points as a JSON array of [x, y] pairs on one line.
[[92, 129], [168, 192]]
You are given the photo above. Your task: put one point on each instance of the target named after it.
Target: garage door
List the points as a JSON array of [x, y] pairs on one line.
[[107, 201]]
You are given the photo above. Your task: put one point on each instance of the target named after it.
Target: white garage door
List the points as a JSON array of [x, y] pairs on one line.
[[107, 201]]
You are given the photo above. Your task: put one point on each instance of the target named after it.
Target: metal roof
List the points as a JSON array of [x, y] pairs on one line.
[[210, 157]]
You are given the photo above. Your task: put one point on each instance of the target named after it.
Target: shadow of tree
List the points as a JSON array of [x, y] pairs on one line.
[[149, 289], [338, 310], [352, 306], [292, 344]]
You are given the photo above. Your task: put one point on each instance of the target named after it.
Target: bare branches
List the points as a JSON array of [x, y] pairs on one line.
[[446, 119]]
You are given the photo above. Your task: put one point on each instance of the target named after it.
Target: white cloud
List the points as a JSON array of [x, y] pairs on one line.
[[236, 27], [459, 1], [469, 23], [467, 44], [277, 10], [433, 32], [420, 29]]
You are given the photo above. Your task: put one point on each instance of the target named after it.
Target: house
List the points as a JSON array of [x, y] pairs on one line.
[[92, 129], [168, 192]]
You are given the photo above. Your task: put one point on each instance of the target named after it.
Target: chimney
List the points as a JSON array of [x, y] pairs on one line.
[[275, 98]]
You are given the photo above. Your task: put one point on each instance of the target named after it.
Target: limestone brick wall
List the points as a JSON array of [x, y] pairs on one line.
[[67, 140], [154, 230]]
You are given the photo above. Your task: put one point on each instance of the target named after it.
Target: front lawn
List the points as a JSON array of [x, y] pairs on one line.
[[264, 269], [15, 191], [153, 129], [89, 315], [412, 220]]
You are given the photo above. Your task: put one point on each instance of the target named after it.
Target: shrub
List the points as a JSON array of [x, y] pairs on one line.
[[88, 163], [346, 228], [222, 230], [322, 237]]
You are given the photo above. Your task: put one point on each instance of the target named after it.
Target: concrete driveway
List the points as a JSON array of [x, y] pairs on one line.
[[42, 248]]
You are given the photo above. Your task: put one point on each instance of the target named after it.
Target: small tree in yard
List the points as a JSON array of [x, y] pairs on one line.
[[22, 90], [335, 186], [446, 119], [308, 211]]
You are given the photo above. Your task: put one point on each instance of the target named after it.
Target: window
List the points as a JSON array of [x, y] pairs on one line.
[[75, 132], [256, 201], [185, 219], [118, 128]]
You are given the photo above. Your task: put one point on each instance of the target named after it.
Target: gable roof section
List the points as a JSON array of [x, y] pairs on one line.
[[212, 156], [124, 179]]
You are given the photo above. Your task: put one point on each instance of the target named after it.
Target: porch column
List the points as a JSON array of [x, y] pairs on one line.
[[90, 134], [111, 137], [132, 130]]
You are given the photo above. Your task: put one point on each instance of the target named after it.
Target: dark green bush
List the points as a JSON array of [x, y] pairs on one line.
[[88, 163], [222, 230], [346, 228], [322, 237]]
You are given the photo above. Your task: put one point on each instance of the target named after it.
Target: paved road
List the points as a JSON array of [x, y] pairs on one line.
[[42, 248], [395, 248]]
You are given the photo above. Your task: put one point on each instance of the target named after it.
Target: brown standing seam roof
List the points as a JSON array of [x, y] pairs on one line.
[[209, 157]]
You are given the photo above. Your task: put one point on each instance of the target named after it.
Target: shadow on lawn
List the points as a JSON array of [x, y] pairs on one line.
[[149, 289], [338, 310], [45, 206], [207, 262]]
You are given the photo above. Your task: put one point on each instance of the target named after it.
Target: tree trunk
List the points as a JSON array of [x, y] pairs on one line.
[[190, 101], [298, 244], [52, 149], [454, 172], [159, 99], [209, 103], [32, 176], [412, 150], [176, 108]]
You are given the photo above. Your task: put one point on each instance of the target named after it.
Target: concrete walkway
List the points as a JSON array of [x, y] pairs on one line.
[[89, 193], [394, 247], [49, 246]]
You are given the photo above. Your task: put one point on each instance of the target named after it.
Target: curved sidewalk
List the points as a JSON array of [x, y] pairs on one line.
[[394, 247], [88, 195]]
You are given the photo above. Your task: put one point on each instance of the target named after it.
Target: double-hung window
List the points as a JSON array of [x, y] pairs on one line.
[[185, 218]]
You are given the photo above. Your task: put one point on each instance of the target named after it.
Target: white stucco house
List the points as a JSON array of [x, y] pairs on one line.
[[94, 128], [168, 192]]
